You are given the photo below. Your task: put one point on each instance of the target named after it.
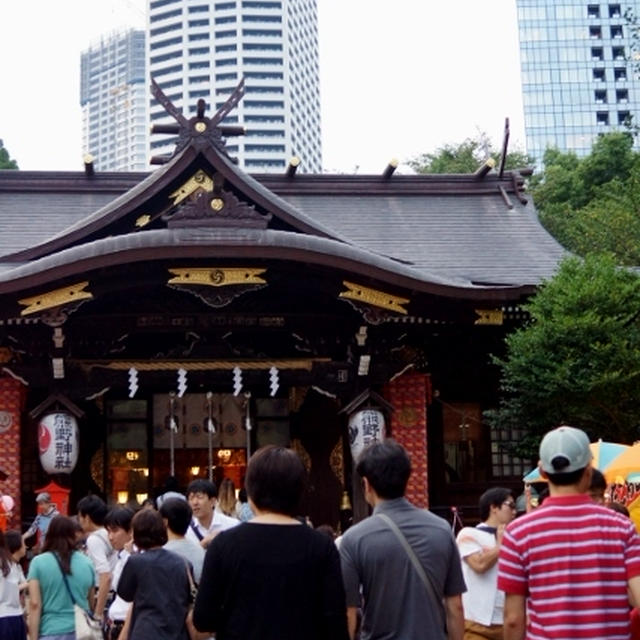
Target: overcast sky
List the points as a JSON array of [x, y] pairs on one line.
[[397, 79]]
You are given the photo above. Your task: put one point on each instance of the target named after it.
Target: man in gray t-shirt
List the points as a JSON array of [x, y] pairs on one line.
[[397, 603], [176, 513]]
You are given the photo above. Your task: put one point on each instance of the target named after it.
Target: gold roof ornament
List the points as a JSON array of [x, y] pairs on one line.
[[217, 276], [374, 297], [493, 317], [55, 298], [199, 181]]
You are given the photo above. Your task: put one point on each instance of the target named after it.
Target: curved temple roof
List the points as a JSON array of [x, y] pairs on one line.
[[465, 236]]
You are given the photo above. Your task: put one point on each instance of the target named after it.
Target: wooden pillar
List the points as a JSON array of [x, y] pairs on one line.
[[409, 394], [12, 397]]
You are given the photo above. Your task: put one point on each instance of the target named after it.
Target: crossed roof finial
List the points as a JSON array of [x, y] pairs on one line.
[[198, 130]]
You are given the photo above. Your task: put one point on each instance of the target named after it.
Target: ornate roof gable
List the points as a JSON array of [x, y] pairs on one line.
[[200, 185]]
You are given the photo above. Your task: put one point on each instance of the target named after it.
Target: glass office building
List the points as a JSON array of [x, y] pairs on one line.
[[113, 97], [201, 49], [577, 72]]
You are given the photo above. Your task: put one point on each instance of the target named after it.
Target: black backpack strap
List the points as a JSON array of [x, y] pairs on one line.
[[196, 531]]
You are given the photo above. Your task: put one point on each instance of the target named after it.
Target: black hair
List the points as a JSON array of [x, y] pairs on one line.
[[619, 508], [276, 479], [242, 495], [387, 467], [598, 481], [13, 540], [148, 529], [94, 507], [200, 485], [177, 513], [492, 497], [119, 518], [567, 478]]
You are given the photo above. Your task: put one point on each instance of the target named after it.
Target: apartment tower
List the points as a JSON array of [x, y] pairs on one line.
[[113, 96], [201, 49], [577, 71]]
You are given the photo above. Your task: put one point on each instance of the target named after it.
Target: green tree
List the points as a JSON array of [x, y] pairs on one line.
[[578, 359], [466, 157], [5, 160], [590, 205]]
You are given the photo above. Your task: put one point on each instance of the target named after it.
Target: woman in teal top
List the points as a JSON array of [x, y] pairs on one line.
[[50, 608]]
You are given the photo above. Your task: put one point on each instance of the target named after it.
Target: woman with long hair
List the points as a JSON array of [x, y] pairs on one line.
[[227, 498], [50, 604], [12, 581], [272, 578]]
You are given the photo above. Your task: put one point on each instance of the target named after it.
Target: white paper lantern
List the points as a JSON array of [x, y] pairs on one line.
[[58, 441], [365, 427]]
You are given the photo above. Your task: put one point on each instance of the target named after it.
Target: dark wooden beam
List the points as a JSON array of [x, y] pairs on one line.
[[231, 130], [488, 164], [505, 147], [390, 168], [292, 167], [165, 128], [160, 159], [89, 169]]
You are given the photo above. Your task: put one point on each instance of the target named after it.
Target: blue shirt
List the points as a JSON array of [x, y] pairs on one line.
[[57, 609]]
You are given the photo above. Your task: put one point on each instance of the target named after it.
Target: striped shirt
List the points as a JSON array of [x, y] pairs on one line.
[[572, 558]]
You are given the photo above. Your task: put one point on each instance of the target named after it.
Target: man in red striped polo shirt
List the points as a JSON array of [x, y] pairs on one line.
[[566, 566]]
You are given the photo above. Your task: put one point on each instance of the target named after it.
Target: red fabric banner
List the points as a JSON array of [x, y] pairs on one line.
[[409, 395]]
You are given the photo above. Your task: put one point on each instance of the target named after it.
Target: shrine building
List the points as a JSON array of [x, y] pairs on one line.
[[174, 321]]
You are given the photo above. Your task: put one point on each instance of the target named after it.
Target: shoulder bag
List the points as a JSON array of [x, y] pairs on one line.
[[424, 576], [194, 634], [86, 626]]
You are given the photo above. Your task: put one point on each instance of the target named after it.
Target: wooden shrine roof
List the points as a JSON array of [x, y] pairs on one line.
[[470, 236], [436, 229]]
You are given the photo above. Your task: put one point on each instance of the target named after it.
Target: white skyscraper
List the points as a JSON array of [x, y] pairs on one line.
[[113, 96], [202, 48]]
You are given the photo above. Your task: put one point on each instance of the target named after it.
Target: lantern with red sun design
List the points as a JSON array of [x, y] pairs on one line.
[[58, 441]]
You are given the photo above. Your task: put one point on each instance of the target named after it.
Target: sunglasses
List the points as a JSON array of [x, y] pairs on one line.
[[509, 503]]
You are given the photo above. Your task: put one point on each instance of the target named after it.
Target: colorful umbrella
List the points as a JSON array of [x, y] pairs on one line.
[[625, 465], [605, 457]]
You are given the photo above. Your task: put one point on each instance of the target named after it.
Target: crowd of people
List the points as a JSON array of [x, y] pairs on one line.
[[203, 564]]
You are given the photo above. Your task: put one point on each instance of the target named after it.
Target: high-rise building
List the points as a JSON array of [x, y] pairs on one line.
[[113, 96], [203, 48], [577, 78]]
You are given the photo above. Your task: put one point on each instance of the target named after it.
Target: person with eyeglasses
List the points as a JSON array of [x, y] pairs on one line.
[[479, 546]]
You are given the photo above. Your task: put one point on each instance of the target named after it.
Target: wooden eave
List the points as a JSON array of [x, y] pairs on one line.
[[134, 202], [203, 246]]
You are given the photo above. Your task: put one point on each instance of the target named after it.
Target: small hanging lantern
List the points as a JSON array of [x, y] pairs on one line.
[[366, 420], [365, 427], [58, 442]]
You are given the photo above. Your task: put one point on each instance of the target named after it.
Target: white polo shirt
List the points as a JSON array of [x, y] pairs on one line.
[[219, 522]]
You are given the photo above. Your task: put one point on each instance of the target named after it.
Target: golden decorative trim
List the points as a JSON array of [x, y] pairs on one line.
[[55, 298], [374, 297], [200, 127], [489, 316], [336, 461], [304, 364], [217, 204], [199, 181], [143, 220], [217, 277]]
